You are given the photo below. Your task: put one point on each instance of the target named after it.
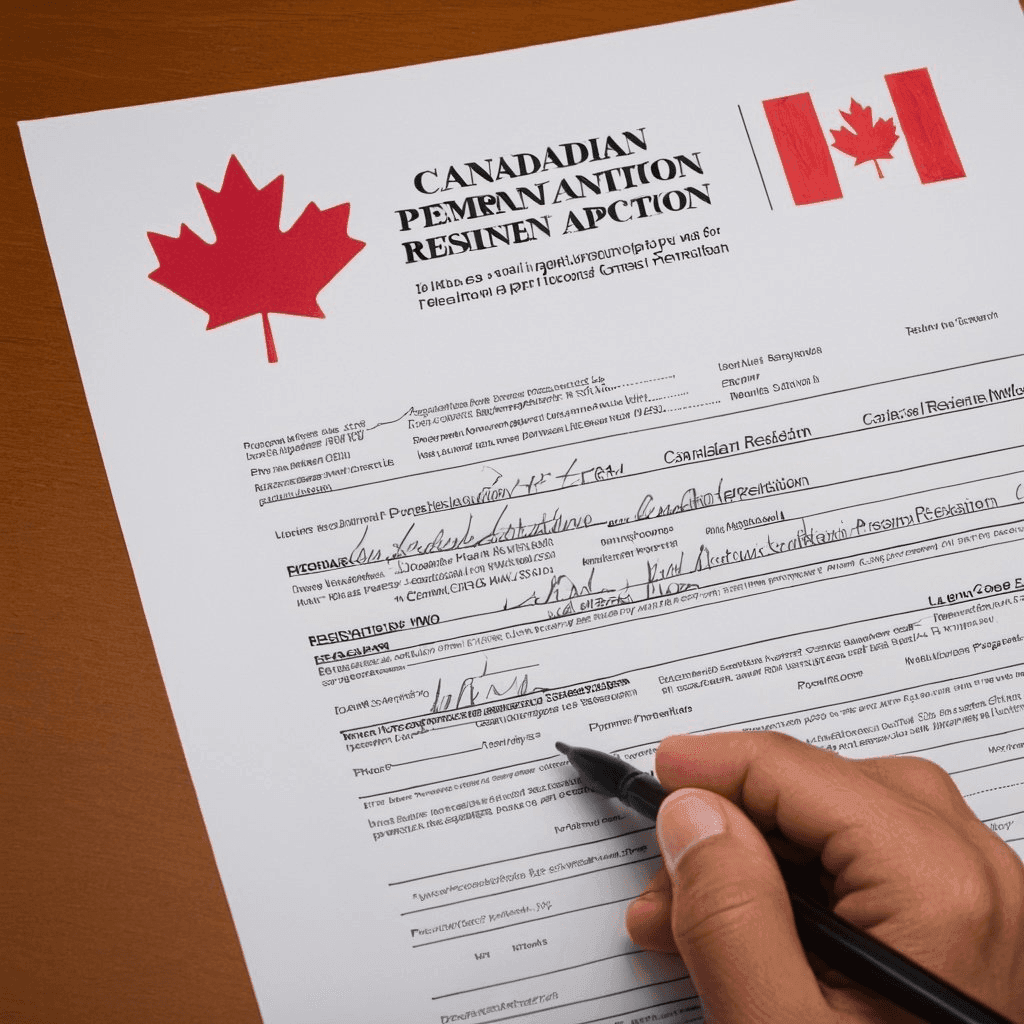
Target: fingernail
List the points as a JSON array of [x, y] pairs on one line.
[[646, 906], [686, 817], [645, 900], [643, 905]]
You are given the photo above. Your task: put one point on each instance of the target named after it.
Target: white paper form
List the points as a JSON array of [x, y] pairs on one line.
[[657, 382]]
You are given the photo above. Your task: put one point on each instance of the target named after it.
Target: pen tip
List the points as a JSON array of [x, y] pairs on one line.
[[563, 747]]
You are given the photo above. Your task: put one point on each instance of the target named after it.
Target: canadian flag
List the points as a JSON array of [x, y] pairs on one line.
[[807, 156]]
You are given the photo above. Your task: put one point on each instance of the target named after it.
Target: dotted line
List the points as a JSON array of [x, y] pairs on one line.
[[697, 405], [678, 394], [992, 789], [637, 383]]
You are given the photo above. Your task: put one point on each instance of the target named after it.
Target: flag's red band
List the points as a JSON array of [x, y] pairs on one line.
[[802, 149], [924, 126]]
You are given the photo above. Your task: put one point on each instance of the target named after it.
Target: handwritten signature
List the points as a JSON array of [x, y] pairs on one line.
[[502, 530], [469, 692], [571, 476]]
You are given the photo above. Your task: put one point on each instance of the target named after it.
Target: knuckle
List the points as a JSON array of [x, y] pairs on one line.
[[927, 772], [779, 740], [720, 909], [1006, 872], [782, 744], [975, 892], [928, 782]]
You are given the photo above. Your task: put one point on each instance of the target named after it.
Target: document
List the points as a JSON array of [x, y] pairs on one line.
[[667, 381]]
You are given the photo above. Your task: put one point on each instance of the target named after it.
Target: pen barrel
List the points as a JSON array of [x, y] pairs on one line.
[[643, 793], [878, 967]]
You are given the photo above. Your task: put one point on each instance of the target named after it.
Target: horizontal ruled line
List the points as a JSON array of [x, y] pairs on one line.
[[668, 426], [532, 885], [542, 974], [521, 856], [529, 920]]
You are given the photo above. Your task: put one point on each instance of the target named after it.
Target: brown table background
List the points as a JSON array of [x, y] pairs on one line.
[[111, 908]]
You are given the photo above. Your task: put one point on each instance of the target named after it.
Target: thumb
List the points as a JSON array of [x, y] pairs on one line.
[[731, 916]]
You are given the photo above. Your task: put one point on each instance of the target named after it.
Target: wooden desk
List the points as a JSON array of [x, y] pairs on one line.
[[111, 909]]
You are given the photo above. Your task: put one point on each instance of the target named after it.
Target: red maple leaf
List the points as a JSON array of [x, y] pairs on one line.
[[253, 266], [869, 140]]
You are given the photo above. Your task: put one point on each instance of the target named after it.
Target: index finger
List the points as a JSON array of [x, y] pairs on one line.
[[808, 794]]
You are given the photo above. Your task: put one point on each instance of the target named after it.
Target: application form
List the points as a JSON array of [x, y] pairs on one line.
[[648, 383]]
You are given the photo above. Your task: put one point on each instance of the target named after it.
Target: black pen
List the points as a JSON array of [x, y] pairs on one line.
[[840, 944]]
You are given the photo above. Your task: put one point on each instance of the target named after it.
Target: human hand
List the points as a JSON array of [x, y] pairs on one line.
[[906, 860]]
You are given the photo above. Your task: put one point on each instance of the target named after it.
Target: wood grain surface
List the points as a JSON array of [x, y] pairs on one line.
[[111, 908]]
